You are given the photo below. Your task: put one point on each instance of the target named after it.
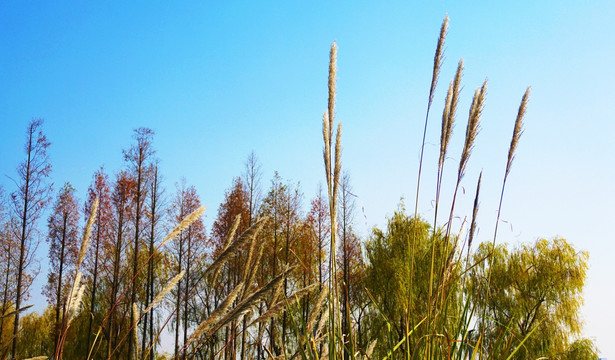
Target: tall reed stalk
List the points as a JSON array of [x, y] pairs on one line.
[[333, 165], [437, 64], [517, 132]]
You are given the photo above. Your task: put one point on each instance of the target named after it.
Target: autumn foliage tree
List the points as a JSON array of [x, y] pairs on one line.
[[155, 215], [236, 203], [188, 252], [121, 204], [8, 255], [63, 239], [137, 157], [102, 230]]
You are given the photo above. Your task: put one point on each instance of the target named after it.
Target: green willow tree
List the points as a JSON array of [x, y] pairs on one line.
[[398, 265], [534, 294]]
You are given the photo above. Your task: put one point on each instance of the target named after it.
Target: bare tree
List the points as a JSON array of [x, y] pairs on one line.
[[137, 157], [253, 175], [28, 202], [154, 214]]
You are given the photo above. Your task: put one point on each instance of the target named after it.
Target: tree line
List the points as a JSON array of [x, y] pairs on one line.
[[134, 212], [534, 285]]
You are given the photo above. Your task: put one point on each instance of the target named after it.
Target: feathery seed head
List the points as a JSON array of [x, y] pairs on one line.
[[88, 232], [170, 285], [371, 347], [456, 91], [208, 323], [445, 133], [188, 220], [76, 302], [135, 315], [518, 130], [474, 213], [338, 159], [332, 74], [473, 126], [438, 57]]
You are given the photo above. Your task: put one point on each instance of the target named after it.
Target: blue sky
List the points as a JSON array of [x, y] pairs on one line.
[[218, 80]]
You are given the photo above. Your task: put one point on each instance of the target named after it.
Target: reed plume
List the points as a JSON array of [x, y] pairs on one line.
[[472, 128], [87, 233], [208, 323], [75, 303], [331, 83], [326, 136], [474, 214], [437, 64], [235, 246], [231, 234], [135, 315], [255, 265], [456, 91], [280, 306], [447, 126], [518, 130], [370, 349], [170, 285], [9, 314], [187, 221], [332, 176], [317, 307], [448, 121]]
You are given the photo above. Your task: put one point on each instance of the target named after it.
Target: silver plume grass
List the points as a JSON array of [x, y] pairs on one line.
[[438, 57], [474, 213], [208, 323], [326, 137], [332, 85], [235, 246], [135, 339], [170, 285], [280, 306], [184, 224], [456, 92], [446, 131], [317, 307], [518, 130], [473, 126], [87, 233]]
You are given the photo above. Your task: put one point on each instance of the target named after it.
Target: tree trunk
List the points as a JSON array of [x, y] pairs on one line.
[[22, 239], [94, 283], [177, 304], [135, 259], [6, 288], [187, 295], [115, 282], [59, 293]]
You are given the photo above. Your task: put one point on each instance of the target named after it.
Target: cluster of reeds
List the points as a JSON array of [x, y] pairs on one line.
[[442, 336]]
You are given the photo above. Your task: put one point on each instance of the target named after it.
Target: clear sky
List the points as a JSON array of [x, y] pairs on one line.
[[217, 80]]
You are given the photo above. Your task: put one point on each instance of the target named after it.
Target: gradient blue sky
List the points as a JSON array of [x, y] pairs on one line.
[[216, 81]]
